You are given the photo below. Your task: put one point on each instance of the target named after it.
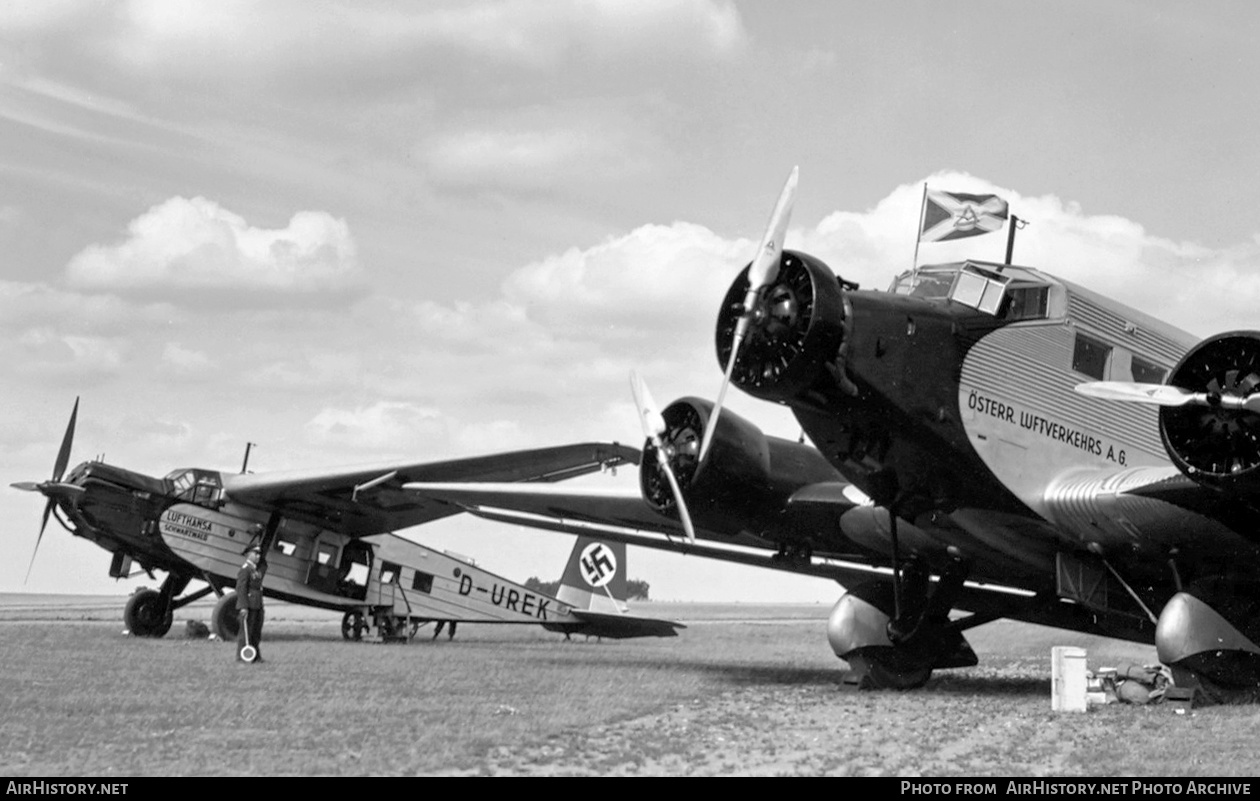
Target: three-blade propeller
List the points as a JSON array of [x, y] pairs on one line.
[[1167, 395], [53, 488], [761, 275], [653, 427]]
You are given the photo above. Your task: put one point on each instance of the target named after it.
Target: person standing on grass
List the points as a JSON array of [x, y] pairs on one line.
[[249, 605], [450, 634]]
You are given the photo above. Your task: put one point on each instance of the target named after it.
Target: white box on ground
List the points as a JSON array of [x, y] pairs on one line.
[[1067, 679]]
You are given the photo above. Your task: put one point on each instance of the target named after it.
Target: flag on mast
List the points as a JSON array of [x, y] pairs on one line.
[[954, 215]]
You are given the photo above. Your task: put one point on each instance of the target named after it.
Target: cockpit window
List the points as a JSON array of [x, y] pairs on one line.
[[1014, 294], [196, 486], [1027, 303], [924, 285], [182, 482]]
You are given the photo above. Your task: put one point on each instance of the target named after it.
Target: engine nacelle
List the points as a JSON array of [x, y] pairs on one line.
[[1216, 444], [796, 328], [746, 478]]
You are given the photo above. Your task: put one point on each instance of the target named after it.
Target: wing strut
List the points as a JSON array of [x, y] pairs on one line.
[[367, 485], [1132, 594]]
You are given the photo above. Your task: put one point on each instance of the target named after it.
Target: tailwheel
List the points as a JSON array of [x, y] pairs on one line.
[[353, 625], [887, 668], [147, 615]]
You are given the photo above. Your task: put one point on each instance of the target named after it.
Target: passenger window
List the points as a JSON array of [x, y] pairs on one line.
[[389, 573], [1090, 357], [285, 546], [326, 553], [422, 582], [1147, 372]]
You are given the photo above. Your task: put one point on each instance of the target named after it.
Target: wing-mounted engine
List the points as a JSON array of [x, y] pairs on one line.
[[1214, 436], [745, 480], [796, 327]]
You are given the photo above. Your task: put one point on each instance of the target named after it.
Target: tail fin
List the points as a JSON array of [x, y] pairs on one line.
[[595, 577]]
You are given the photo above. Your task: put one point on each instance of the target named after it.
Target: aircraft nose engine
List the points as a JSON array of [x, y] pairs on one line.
[[797, 327], [1217, 440]]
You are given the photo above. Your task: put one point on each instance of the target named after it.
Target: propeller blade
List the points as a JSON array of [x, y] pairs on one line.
[[653, 426], [26, 486], [765, 266], [1167, 395], [1157, 394], [649, 417], [48, 507], [761, 273], [63, 455]]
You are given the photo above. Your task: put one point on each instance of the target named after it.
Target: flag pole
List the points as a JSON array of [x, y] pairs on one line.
[[1010, 238], [918, 234]]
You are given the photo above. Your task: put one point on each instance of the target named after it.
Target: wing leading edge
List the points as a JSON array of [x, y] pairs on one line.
[[370, 499]]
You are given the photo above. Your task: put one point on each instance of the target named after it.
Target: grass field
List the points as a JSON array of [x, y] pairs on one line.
[[746, 690]]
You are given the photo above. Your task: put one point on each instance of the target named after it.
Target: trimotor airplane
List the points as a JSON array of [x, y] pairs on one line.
[[975, 404], [327, 536]]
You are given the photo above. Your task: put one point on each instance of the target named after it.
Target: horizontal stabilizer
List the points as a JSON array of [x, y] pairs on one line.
[[622, 626]]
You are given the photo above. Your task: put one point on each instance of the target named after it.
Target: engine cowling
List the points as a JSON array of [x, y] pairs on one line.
[[1214, 443], [746, 478], [796, 328]]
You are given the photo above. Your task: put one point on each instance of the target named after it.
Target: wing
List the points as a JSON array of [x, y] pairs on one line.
[[623, 516], [369, 499]]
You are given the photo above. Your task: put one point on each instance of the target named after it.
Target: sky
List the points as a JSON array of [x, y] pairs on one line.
[[362, 231]]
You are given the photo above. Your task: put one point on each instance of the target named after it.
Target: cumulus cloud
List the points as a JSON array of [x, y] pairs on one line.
[[190, 249], [185, 360], [49, 351], [384, 426], [532, 158], [654, 274]]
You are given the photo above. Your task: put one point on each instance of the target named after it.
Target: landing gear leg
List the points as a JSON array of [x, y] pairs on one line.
[[890, 651]]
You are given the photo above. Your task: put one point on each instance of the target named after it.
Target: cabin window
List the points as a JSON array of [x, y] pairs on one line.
[[422, 582], [285, 546], [389, 573], [1091, 357], [326, 554], [1147, 372]]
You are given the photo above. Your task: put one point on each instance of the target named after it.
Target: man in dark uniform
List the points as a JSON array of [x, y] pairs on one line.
[[249, 604]]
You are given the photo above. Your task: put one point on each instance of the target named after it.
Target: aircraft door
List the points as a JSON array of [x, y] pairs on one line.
[[322, 575], [389, 590], [356, 566], [339, 569]]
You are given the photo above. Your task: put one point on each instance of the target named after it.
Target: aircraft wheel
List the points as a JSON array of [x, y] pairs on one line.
[[887, 671], [225, 620], [1209, 692], [353, 624], [145, 616]]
